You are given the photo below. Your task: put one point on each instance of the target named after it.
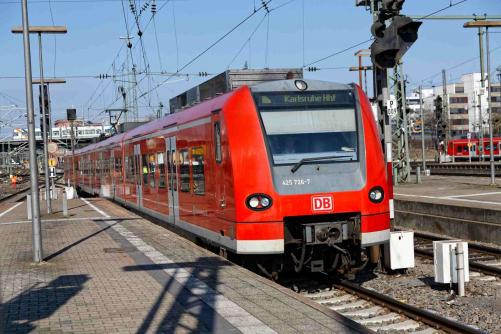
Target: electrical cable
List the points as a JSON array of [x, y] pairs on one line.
[[247, 41], [55, 37], [370, 39], [267, 40], [212, 45], [175, 35], [71, 1], [432, 76], [338, 52], [158, 44], [303, 35]]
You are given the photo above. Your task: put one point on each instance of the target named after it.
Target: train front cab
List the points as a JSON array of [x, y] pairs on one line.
[[311, 182]]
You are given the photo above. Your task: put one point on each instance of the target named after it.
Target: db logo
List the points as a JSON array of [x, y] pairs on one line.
[[322, 203]]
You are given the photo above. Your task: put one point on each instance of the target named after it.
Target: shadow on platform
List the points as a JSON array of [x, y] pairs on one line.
[[19, 314], [195, 298]]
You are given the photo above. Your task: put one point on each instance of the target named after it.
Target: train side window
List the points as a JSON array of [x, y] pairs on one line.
[[161, 170], [184, 167], [217, 142], [152, 166], [197, 160], [169, 169], [144, 160], [129, 168]]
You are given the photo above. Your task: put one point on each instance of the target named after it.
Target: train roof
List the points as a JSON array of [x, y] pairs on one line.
[[193, 113], [190, 114], [105, 143], [205, 109], [290, 85]]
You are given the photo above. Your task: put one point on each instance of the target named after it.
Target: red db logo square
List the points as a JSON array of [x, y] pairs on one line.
[[322, 203]]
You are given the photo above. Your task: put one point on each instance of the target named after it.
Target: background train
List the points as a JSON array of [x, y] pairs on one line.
[[287, 174], [462, 149]]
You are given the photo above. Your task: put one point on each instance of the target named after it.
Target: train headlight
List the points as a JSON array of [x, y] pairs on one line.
[[265, 202], [376, 195], [301, 85], [254, 202], [258, 202]]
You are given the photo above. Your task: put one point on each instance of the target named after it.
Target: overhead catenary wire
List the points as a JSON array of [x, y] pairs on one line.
[[54, 36], [212, 45], [372, 38], [10, 2], [175, 35], [247, 41], [165, 2]]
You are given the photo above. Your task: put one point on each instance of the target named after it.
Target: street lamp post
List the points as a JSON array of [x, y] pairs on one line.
[[35, 203], [42, 82], [487, 25], [39, 30]]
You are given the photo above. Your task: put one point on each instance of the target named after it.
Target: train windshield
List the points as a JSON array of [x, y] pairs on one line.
[[307, 125]]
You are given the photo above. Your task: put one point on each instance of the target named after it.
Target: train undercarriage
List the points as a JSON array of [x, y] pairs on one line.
[[321, 243]]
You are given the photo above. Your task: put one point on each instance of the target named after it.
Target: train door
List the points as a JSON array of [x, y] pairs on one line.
[[218, 169], [173, 177], [138, 169], [112, 172]]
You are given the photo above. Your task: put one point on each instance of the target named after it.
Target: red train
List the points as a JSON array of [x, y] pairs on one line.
[[462, 149], [287, 173]]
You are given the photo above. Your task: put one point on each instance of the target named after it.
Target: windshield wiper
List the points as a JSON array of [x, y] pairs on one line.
[[331, 157]]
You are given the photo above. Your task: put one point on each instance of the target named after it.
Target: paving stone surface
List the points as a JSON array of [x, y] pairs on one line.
[[107, 270]]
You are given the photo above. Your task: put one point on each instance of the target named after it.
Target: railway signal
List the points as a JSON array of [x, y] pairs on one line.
[[392, 42]]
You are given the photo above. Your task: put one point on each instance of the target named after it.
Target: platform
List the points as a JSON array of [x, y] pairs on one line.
[[108, 270], [460, 206]]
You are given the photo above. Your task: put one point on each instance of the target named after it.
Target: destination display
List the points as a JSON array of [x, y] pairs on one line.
[[302, 99]]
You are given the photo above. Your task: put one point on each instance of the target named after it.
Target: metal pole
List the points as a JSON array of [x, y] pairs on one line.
[[460, 268], [469, 149], [49, 114], [481, 122], [489, 106], [28, 207], [28, 83], [9, 158], [73, 156], [365, 79], [423, 154], [404, 123], [65, 204], [482, 83], [360, 70], [44, 129], [445, 103]]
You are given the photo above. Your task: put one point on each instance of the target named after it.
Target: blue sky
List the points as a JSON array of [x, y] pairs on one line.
[[95, 27]]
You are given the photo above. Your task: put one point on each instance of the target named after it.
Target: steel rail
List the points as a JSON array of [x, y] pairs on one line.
[[483, 268], [472, 245], [21, 191], [431, 319], [10, 196]]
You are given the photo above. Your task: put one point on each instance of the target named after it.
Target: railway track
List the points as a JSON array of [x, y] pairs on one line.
[[459, 168], [482, 259], [376, 311], [15, 195]]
